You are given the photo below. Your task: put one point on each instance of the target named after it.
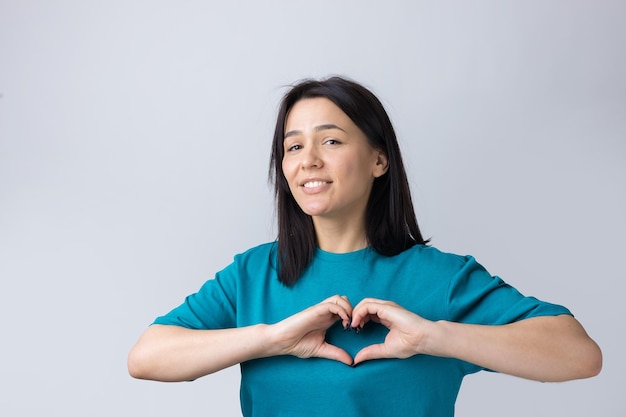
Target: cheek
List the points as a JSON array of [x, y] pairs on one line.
[[358, 172], [288, 170]]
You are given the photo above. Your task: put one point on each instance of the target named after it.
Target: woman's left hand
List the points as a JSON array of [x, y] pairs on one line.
[[545, 348], [407, 331]]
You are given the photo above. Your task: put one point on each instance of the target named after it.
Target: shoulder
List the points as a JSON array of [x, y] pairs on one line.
[[248, 266], [430, 256], [261, 251], [257, 258]]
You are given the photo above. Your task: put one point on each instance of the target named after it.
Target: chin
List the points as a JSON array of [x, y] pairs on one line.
[[314, 211], [313, 208]]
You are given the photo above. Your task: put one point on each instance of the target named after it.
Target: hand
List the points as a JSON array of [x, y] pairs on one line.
[[407, 331], [303, 334]]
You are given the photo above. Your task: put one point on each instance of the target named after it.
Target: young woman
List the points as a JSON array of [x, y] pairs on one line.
[[350, 312]]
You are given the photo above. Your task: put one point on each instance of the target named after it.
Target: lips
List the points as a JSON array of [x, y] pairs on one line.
[[313, 184]]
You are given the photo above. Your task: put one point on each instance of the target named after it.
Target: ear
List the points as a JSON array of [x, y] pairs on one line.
[[382, 164]]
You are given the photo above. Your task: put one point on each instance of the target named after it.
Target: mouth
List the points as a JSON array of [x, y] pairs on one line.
[[313, 184]]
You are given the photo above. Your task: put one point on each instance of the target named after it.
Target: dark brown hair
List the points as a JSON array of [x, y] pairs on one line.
[[391, 226]]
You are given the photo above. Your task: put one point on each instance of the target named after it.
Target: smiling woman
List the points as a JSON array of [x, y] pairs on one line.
[[389, 219], [330, 167], [350, 281]]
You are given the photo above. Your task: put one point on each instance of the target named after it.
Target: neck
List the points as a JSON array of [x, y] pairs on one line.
[[340, 237]]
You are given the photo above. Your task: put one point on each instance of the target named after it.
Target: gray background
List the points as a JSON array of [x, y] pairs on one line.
[[134, 144]]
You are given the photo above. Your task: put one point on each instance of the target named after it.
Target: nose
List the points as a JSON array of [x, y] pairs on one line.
[[311, 158]]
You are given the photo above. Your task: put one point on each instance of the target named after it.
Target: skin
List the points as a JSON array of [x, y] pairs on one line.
[[325, 148]]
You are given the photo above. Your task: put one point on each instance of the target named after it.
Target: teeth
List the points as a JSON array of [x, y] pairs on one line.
[[313, 184]]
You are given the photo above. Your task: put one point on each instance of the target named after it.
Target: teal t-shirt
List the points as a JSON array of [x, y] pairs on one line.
[[431, 283]]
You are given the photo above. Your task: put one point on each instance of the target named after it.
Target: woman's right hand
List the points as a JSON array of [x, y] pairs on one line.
[[303, 334], [172, 353]]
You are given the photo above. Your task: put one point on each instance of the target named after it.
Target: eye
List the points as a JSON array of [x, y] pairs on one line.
[[293, 148], [331, 142]]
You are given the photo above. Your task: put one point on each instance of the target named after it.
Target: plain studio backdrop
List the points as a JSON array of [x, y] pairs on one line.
[[134, 146]]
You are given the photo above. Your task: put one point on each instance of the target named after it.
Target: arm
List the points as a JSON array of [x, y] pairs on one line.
[[551, 348], [172, 353]]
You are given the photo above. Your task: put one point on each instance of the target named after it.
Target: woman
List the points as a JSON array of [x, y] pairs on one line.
[[350, 313]]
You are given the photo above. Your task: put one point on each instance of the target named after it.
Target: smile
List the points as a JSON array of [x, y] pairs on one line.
[[313, 184]]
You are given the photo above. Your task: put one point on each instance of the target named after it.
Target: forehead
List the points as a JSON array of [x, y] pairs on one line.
[[311, 111]]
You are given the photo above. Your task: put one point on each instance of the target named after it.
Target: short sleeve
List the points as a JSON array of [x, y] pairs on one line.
[[476, 297], [212, 307]]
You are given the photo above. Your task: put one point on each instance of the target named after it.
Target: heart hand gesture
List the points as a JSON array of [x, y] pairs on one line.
[[303, 334], [407, 330]]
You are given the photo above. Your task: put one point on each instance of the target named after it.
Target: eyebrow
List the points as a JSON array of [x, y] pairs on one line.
[[328, 126]]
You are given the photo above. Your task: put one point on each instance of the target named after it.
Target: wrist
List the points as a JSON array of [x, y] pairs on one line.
[[438, 338], [271, 340]]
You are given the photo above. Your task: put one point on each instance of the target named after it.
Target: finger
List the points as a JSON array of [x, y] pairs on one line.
[[369, 309], [323, 315], [345, 311], [377, 351], [339, 300], [332, 352], [368, 301], [375, 300]]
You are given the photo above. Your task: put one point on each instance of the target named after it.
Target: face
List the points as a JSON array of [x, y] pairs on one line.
[[329, 164]]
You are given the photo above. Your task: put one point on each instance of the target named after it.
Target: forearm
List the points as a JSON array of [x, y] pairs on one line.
[[541, 348], [172, 353]]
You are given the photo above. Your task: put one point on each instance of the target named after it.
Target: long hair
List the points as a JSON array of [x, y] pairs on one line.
[[391, 226]]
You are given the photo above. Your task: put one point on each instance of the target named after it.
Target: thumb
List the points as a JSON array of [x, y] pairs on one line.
[[370, 352], [329, 351]]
